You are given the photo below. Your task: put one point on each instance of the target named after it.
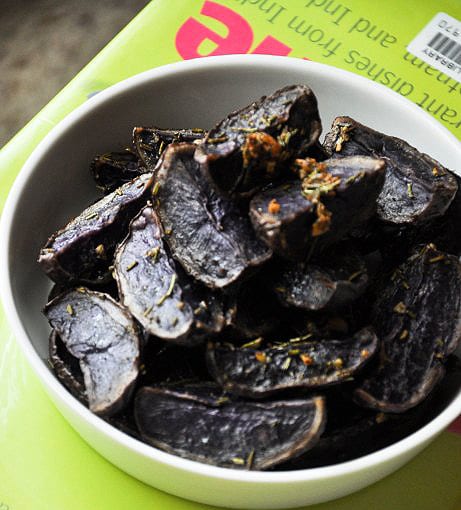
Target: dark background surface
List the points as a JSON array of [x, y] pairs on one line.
[[44, 43]]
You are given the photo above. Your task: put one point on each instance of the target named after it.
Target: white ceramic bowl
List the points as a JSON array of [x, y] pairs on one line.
[[55, 184]]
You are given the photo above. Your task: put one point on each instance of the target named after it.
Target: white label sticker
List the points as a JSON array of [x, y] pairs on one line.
[[439, 45]]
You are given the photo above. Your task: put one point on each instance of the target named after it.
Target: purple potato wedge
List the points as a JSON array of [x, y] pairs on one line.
[[113, 169], [165, 300], [66, 367], [207, 234], [335, 281], [252, 311], [241, 435], [252, 146], [104, 338], [333, 197], [417, 188], [418, 318], [82, 251], [150, 142], [256, 371]]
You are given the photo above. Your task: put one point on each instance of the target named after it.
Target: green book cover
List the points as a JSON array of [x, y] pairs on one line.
[[412, 47]]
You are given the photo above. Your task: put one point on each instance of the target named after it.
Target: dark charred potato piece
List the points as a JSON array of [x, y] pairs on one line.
[[316, 151], [242, 435], [351, 432], [104, 338], [166, 302], [150, 142], [445, 232], [337, 280], [251, 146], [207, 234], [113, 169], [256, 371], [332, 198], [417, 188], [418, 318], [66, 367], [167, 363], [82, 251], [252, 311]]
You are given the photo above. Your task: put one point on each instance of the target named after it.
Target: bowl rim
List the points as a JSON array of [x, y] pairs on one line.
[[47, 378]]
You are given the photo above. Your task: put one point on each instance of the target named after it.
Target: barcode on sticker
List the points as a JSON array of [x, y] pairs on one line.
[[439, 45], [446, 46]]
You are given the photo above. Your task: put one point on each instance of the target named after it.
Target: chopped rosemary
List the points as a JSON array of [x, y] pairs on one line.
[[286, 364], [244, 129], [302, 338], [147, 311], [153, 253], [100, 251], [404, 334], [254, 343], [69, 309], [238, 460], [218, 139], [129, 267], [343, 136], [400, 308], [92, 216], [250, 459], [155, 188], [353, 276], [438, 258], [410, 190], [168, 292]]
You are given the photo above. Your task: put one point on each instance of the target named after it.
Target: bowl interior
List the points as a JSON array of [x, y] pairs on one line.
[[57, 184]]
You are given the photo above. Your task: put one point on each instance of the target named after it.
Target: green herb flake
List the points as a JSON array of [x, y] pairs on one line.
[[147, 311], [286, 364], [168, 292], [400, 308], [92, 216], [155, 189], [100, 251], [133, 264], [410, 190], [254, 343], [244, 129], [153, 253], [250, 459], [353, 276], [218, 139]]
